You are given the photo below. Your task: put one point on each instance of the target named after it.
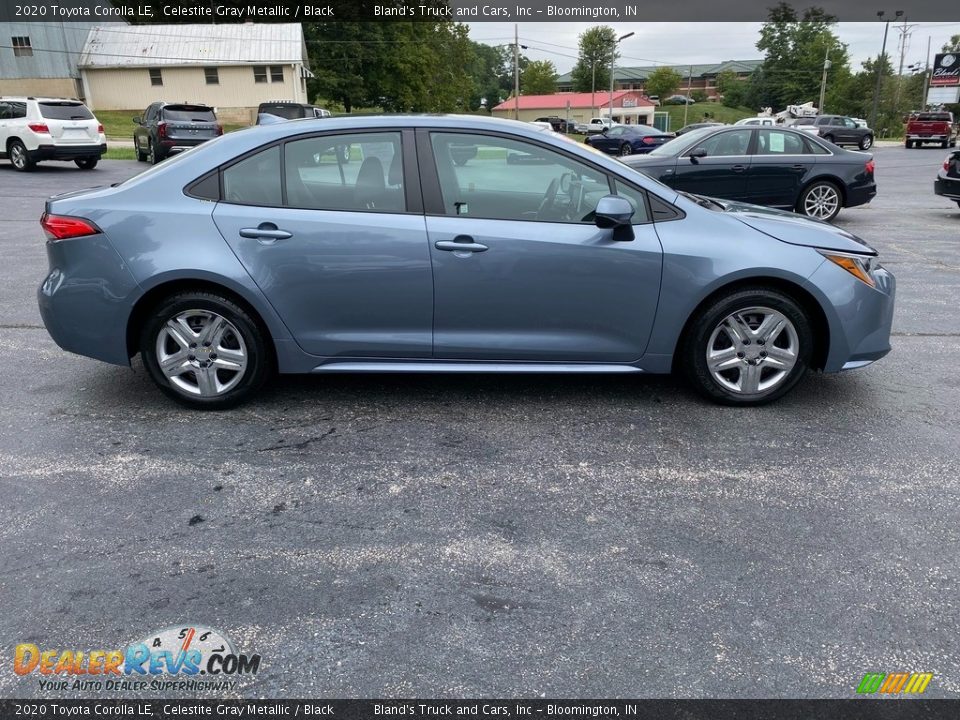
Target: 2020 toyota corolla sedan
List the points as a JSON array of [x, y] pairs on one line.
[[362, 245]]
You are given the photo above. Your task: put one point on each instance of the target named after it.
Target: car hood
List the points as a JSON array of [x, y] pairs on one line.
[[794, 229]]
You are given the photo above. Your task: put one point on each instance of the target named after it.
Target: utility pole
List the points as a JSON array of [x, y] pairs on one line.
[[686, 103], [593, 87], [926, 78], [516, 72], [613, 68], [880, 60], [823, 80], [905, 32]]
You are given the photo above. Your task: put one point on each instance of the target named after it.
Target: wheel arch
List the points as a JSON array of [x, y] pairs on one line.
[[818, 318], [166, 288], [826, 177]]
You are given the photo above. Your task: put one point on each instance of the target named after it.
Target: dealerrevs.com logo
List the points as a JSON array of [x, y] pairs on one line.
[[894, 683], [190, 657]]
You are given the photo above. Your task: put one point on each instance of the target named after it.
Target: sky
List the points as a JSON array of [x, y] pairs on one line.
[[679, 43]]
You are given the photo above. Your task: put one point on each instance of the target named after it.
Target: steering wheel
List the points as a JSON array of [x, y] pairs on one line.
[[549, 197]]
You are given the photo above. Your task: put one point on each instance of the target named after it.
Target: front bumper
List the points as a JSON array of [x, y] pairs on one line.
[[948, 187], [859, 316], [66, 152]]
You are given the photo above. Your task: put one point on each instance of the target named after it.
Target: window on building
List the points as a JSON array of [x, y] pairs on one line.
[[21, 46], [211, 75], [156, 78], [260, 73], [276, 73]]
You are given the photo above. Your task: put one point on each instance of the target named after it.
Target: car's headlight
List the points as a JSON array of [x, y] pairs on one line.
[[860, 266]]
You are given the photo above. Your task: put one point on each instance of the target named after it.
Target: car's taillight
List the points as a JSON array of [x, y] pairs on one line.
[[219, 129], [39, 128], [946, 164], [99, 128], [64, 227], [870, 166], [648, 140], [161, 130]]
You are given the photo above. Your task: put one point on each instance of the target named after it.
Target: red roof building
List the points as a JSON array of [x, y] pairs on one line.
[[629, 106]]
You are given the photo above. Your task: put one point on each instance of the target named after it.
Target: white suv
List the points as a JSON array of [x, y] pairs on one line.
[[34, 129]]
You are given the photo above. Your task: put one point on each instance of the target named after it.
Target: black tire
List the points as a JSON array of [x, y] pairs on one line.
[[693, 350], [814, 187], [253, 341], [908, 144], [625, 150], [87, 163], [866, 142], [141, 156], [153, 154], [829, 139], [17, 152], [945, 144]]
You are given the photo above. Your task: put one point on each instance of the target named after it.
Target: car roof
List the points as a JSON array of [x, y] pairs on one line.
[[26, 98]]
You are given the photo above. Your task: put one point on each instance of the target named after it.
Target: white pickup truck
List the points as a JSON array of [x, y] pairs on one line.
[[596, 125]]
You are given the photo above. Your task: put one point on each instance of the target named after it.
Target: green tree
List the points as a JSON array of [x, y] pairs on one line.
[[491, 71], [539, 78], [953, 45], [795, 48], [732, 88], [598, 52], [663, 82]]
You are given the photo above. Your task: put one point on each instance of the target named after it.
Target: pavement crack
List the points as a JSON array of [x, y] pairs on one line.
[[300, 445]]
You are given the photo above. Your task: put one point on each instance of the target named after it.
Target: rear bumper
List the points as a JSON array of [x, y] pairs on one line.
[[66, 152], [947, 187], [861, 194], [171, 145]]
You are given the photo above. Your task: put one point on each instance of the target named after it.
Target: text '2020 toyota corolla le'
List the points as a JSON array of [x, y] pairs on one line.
[[450, 244]]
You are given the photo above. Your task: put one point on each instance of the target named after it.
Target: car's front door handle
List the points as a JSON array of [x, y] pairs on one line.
[[265, 231], [799, 167], [738, 168], [460, 244]]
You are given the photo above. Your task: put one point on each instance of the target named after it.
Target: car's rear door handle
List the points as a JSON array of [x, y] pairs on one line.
[[461, 243], [265, 231], [738, 168], [799, 166]]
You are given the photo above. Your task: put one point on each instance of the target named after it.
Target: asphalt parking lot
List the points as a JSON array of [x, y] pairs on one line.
[[497, 536]]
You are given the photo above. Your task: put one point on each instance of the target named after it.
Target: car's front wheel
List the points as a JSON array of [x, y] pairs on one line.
[[748, 347], [204, 350], [866, 142], [19, 157], [822, 200], [88, 163]]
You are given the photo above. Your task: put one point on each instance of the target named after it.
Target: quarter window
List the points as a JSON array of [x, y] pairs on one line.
[[254, 180], [359, 172], [156, 77], [637, 198], [491, 177]]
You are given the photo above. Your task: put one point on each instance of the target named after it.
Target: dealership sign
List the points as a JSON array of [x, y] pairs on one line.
[[946, 70]]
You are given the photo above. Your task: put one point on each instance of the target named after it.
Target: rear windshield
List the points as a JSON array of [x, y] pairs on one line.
[[188, 113], [934, 117], [65, 111], [290, 112]]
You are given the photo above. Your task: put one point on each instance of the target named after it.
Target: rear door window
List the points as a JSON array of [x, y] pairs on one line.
[[65, 111], [255, 180], [777, 142]]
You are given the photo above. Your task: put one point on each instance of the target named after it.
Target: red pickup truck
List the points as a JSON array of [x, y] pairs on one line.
[[933, 127]]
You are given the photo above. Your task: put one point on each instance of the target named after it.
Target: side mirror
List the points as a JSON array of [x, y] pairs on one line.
[[604, 130], [137, 120], [696, 154], [616, 212]]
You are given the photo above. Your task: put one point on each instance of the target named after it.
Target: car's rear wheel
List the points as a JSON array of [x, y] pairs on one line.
[[822, 200], [141, 155], [153, 155], [19, 158], [748, 347], [945, 144], [205, 351], [625, 149], [828, 138], [866, 142], [88, 163]]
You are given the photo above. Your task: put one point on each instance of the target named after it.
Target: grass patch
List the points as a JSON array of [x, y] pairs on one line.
[[719, 113], [119, 153]]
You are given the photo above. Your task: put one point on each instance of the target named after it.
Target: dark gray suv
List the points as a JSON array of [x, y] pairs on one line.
[[842, 130], [167, 128]]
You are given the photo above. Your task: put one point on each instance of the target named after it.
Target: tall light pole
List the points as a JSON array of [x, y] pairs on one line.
[[516, 73], [823, 80], [613, 68], [880, 59]]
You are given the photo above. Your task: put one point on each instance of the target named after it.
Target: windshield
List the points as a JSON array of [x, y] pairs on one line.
[[673, 147], [934, 117], [188, 113], [65, 111]]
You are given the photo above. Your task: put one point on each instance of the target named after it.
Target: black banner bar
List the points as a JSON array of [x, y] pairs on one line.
[[856, 709], [591, 11]]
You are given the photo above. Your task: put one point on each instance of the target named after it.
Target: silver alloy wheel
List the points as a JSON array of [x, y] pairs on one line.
[[201, 353], [18, 156], [866, 143], [821, 202], [752, 351]]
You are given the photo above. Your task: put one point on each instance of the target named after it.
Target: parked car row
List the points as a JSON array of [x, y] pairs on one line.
[[35, 129]]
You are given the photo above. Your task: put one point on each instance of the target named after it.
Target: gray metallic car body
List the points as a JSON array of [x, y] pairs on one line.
[[367, 291]]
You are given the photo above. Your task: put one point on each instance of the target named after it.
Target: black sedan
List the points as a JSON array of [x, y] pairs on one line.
[[696, 126], [628, 139], [776, 167], [947, 183]]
